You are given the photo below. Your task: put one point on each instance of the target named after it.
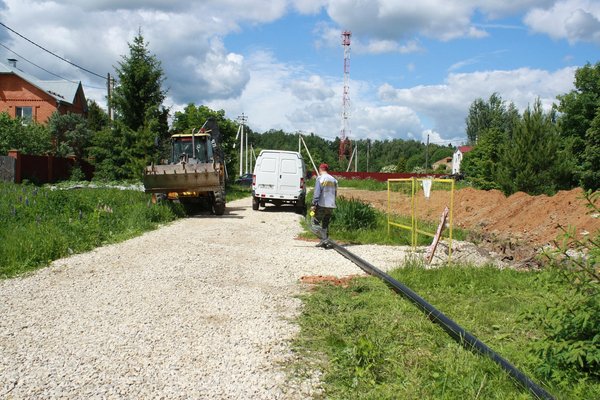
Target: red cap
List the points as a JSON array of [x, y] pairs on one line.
[[324, 167]]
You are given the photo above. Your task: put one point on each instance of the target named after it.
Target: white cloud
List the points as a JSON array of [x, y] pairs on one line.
[[190, 39], [186, 38], [574, 20], [314, 88], [440, 19], [447, 104]]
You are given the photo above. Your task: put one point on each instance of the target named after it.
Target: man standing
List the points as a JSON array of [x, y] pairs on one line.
[[323, 204]]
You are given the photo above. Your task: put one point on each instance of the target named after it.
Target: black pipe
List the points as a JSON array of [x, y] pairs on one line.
[[455, 331]]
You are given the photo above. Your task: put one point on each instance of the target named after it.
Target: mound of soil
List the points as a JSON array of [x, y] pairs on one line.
[[513, 221]]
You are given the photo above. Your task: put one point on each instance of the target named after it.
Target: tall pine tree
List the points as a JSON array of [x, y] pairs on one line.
[[124, 148], [139, 94], [533, 161]]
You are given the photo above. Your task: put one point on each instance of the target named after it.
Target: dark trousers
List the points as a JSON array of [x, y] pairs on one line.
[[320, 222]]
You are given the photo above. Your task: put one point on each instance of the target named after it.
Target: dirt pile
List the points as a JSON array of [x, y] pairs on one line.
[[520, 218]]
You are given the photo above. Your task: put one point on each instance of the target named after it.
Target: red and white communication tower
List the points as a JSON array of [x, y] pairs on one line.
[[345, 146]]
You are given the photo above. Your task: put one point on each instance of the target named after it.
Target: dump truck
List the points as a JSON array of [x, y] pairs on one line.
[[195, 172]]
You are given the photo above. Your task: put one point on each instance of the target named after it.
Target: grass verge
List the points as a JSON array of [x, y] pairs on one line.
[[236, 192], [39, 225], [371, 343]]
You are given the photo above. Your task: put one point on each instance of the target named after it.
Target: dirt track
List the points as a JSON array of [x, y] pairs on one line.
[[533, 220]]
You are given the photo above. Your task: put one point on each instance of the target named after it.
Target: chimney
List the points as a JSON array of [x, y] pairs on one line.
[[12, 62]]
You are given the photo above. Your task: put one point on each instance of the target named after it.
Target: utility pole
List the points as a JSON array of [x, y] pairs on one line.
[[427, 154], [109, 96], [356, 159], [247, 153], [242, 120], [368, 150]]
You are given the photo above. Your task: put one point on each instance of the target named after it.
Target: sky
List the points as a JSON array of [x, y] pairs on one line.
[[415, 67]]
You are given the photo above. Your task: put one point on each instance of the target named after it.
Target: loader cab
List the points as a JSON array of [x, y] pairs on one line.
[[186, 148]]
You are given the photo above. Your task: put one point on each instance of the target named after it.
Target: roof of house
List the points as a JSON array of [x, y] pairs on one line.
[[63, 90], [465, 149], [444, 160]]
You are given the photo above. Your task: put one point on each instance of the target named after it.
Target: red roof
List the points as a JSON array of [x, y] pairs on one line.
[[465, 149]]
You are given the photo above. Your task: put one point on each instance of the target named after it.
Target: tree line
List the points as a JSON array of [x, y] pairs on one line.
[[540, 151], [537, 151]]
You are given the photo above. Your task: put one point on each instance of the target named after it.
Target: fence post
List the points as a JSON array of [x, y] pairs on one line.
[[16, 155]]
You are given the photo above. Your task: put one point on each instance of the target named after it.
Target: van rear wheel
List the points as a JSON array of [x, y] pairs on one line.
[[255, 203], [300, 207]]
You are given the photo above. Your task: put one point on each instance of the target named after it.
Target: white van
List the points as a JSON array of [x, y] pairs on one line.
[[279, 179]]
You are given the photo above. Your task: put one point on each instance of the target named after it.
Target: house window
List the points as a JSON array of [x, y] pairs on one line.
[[25, 113]]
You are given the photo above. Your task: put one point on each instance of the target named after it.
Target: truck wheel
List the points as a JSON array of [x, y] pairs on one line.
[[255, 203], [219, 203]]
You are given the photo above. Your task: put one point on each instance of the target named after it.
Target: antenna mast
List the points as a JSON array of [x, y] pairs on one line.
[[345, 146]]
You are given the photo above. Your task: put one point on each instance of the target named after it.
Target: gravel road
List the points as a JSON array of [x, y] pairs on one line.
[[202, 308]]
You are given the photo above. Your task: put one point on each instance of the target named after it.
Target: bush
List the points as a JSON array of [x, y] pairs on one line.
[[571, 317], [353, 214]]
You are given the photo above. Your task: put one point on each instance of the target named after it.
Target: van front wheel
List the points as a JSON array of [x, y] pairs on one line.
[[255, 203]]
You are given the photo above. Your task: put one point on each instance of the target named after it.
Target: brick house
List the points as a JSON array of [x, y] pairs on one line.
[[24, 96]]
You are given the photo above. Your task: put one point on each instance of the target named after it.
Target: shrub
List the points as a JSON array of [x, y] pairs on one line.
[[571, 317], [353, 214]]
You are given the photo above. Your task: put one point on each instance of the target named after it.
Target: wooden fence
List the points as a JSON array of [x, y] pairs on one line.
[[40, 169]]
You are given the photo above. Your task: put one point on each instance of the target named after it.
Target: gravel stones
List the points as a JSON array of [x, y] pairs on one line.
[[201, 308]]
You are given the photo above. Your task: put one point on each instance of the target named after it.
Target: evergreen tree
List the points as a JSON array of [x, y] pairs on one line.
[[533, 161], [70, 134], [123, 149], [97, 118], [139, 94]]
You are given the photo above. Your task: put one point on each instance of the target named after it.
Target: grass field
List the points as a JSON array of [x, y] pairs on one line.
[[373, 344]]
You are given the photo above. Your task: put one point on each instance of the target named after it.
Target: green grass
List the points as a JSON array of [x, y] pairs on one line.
[[236, 192], [373, 344], [39, 225]]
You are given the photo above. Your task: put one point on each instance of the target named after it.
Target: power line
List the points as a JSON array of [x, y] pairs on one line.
[[50, 72], [54, 54], [34, 64]]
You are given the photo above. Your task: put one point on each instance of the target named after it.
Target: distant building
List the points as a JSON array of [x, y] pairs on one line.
[[24, 96], [458, 156], [446, 162]]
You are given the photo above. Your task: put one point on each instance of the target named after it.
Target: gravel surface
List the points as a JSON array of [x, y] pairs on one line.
[[201, 308]]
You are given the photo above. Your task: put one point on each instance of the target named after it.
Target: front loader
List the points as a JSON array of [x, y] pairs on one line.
[[195, 172]]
